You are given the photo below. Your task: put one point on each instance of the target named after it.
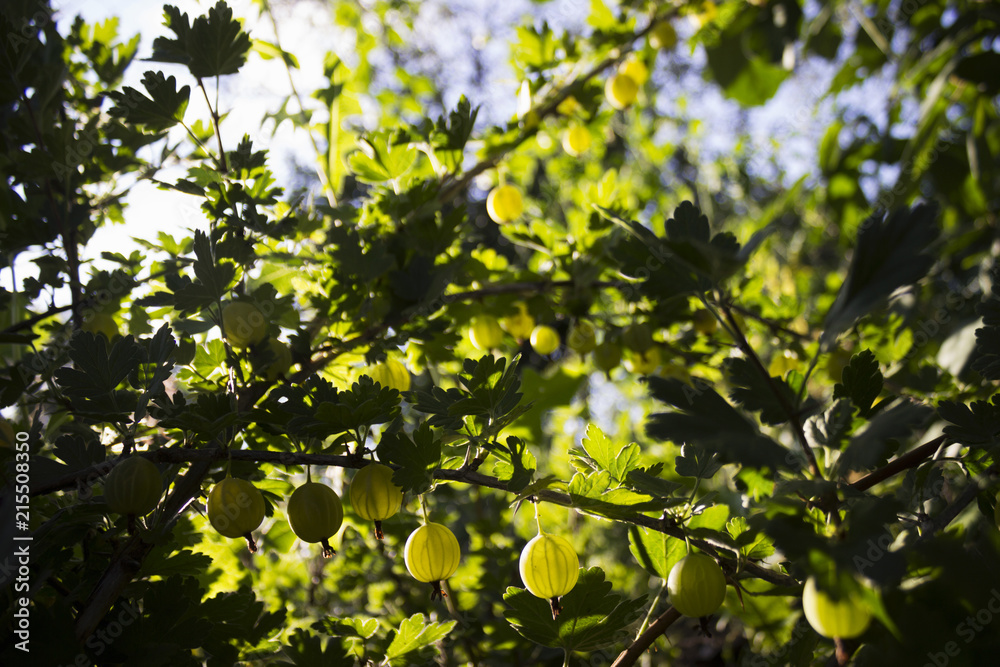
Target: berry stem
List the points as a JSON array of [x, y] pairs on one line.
[[328, 551], [251, 545]]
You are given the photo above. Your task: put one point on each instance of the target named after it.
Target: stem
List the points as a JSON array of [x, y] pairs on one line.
[[652, 609], [793, 415], [223, 166], [646, 639]]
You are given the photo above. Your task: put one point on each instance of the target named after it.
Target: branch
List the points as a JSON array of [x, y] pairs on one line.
[[204, 458], [896, 466], [646, 639], [793, 415], [941, 521]]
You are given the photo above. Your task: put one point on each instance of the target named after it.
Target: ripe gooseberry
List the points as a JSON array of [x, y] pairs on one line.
[[235, 509], [133, 487], [549, 568], [504, 204], [576, 140], [520, 325], [663, 36], [101, 323], [374, 496], [696, 585], [842, 618], [243, 324], [621, 90], [431, 555], [391, 373], [634, 69], [315, 514], [582, 337], [544, 339], [485, 332]]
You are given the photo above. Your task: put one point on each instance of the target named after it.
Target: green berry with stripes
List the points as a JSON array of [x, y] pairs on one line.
[[134, 486]]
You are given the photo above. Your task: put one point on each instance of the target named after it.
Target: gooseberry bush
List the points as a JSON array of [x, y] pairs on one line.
[[568, 387]]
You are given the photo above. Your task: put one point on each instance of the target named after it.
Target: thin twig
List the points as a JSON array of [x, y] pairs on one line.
[[646, 639]]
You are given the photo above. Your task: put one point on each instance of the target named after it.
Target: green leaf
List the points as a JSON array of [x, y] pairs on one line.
[[757, 394], [162, 563], [592, 617], [891, 252], [162, 109], [752, 544], [702, 417], [413, 636], [862, 382], [380, 159], [517, 465], [216, 44], [417, 457], [269, 51], [655, 551], [365, 404], [697, 462], [832, 427], [603, 452], [975, 424], [591, 494], [875, 444], [307, 649], [363, 628]]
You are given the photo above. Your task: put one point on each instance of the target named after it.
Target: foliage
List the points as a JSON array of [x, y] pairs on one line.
[[837, 420]]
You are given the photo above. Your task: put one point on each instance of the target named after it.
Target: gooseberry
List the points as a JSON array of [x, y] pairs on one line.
[[520, 325], [374, 496], [504, 204], [696, 585], [391, 373], [621, 90], [235, 509], [243, 324], [431, 555], [549, 568], [485, 332], [315, 514], [133, 486], [635, 69], [576, 140], [663, 36], [544, 339], [842, 618]]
